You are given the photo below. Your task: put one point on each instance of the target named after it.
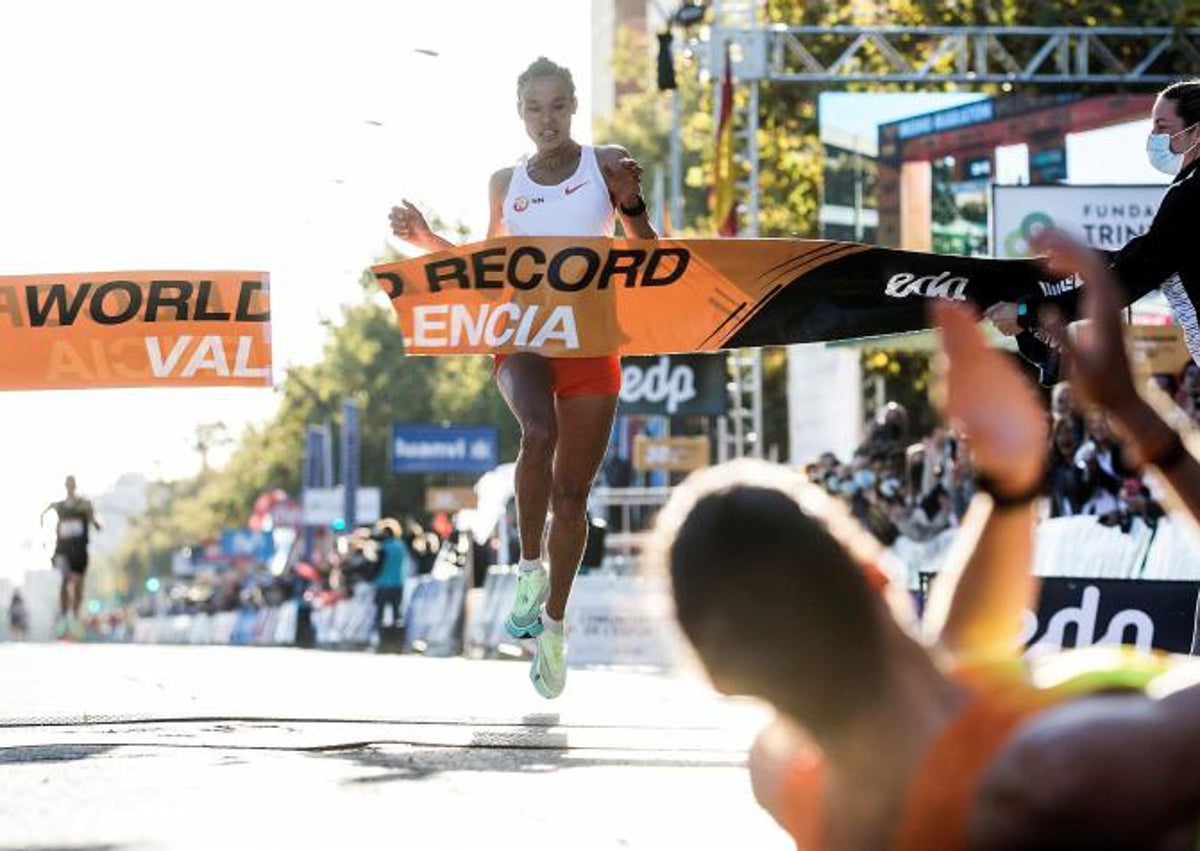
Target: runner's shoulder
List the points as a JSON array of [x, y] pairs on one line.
[[500, 179], [612, 154]]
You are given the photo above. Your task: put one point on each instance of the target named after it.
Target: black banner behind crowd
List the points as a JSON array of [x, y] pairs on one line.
[[1156, 614], [585, 297], [1079, 612]]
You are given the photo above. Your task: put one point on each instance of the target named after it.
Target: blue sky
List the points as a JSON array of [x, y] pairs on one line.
[[861, 113]]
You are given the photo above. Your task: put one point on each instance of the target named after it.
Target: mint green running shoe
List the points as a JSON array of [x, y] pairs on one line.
[[549, 669], [533, 589]]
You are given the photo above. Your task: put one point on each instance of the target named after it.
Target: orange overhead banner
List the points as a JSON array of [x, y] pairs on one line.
[[135, 329], [587, 297]]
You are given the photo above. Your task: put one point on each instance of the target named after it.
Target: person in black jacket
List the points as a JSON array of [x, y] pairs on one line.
[[1064, 481], [1163, 257]]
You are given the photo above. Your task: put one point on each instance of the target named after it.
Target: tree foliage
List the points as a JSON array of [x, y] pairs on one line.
[[363, 359]]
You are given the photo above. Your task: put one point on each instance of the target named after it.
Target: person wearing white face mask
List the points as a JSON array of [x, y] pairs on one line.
[[1165, 255]]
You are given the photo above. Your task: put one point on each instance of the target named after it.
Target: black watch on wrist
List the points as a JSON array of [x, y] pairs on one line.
[[639, 207], [1003, 500]]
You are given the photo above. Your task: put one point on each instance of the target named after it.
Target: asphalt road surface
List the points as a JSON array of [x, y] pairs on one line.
[[111, 747]]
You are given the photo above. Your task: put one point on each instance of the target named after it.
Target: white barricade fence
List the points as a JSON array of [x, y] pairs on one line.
[[485, 632], [611, 620], [433, 613], [145, 631], [285, 624], [322, 624], [222, 627], [201, 629], [353, 619], [347, 622], [243, 627], [6, 592], [269, 626], [620, 620], [178, 627], [41, 599], [264, 630], [1082, 546], [1103, 585]]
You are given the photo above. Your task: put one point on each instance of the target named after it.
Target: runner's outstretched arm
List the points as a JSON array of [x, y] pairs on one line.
[[986, 584], [408, 224]]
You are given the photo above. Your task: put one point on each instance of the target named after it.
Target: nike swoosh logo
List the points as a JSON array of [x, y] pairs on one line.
[[571, 189]]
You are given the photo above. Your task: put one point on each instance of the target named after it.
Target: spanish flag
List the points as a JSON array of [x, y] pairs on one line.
[[724, 181]]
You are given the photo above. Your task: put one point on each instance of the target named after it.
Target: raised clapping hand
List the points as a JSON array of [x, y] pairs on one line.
[[1097, 364], [408, 223], [624, 181], [986, 396]]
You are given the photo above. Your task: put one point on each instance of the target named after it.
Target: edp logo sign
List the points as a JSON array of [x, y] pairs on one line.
[[1079, 612], [1142, 613], [674, 384]]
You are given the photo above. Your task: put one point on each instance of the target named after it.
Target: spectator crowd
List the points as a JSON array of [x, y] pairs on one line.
[[901, 486]]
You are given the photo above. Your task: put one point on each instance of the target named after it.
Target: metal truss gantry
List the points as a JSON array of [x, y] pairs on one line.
[[839, 55]]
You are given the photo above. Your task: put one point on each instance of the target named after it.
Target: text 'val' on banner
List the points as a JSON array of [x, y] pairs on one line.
[[566, 297], [135, 329]]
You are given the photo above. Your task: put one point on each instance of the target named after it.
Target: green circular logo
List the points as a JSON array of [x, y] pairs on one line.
[[1016, 244]]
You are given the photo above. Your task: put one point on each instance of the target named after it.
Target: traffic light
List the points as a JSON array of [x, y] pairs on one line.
[[666, 62], [153, 584], [338, 525]]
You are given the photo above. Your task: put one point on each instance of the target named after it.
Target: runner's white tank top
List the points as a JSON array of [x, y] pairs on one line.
[[579, 206]]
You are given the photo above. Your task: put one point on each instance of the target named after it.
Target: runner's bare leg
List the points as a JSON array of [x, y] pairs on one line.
[[584, 428], [526, 382]]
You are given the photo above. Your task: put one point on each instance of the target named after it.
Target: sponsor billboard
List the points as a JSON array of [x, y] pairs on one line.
[[670, 454], [449, 500], [323, 506], [1105, 217], [1081, 612], [675, 384], [453, 449], [1147, 614], [247, 543], [135, 329]]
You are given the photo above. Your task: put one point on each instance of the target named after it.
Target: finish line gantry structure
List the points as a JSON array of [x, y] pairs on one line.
[[935, 55]]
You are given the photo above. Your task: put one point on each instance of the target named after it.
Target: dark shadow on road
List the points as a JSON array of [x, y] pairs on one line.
[[541, 719], [50, 753], [61, 847], [529, 748]]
